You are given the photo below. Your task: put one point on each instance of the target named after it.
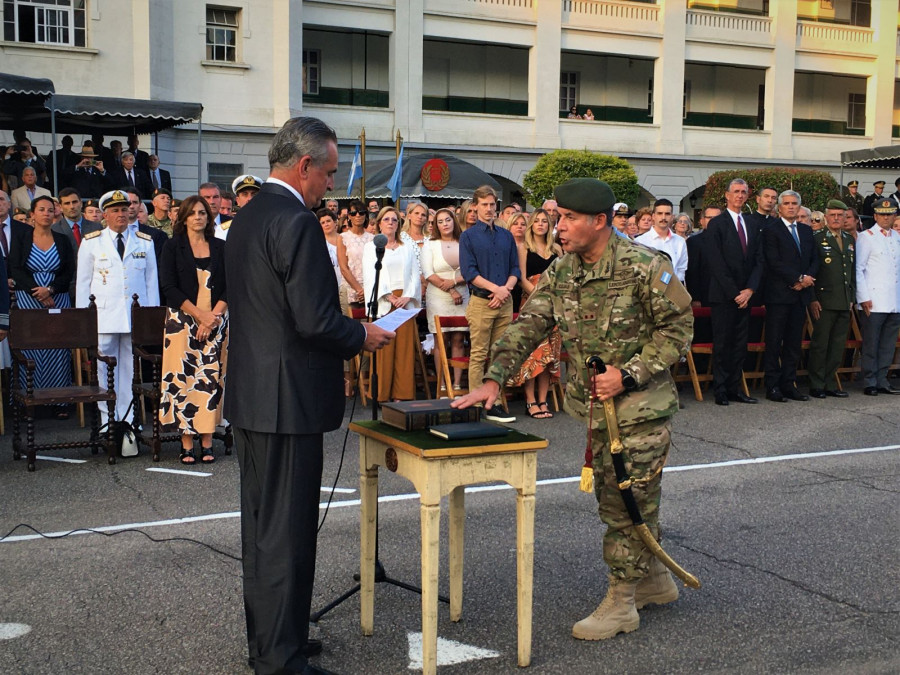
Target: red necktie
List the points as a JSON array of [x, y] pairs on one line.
[[741, 235], [77, 232]]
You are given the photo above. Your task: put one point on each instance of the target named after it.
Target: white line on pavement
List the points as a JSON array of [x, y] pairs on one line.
[[479, 488], [180, 472], [60, 459], [337, 490]]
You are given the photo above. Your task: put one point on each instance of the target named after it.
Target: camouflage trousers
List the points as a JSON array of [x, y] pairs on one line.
[[646, 448]]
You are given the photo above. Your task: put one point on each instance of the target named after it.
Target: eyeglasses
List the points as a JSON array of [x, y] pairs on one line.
[[817, 220], [357, 213]]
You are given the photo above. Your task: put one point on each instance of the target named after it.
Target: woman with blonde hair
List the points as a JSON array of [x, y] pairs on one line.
[[538, 252], [467, 215], [399, 286], [517, 225], [446, 293], [644, 220]]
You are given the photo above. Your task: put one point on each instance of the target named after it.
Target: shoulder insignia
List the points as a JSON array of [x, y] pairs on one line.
[[144, 235], [93, 235], [225, 225]]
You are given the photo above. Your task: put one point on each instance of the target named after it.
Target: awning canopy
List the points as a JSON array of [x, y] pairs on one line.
[[120, 116], [883, 157], [22, 100], [444, 176]]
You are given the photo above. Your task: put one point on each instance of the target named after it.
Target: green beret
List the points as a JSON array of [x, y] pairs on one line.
[[885, 207], [836, 204], [585, 195]]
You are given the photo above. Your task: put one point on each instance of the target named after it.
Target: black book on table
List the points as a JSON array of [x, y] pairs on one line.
[[466, 430], [419, 415]]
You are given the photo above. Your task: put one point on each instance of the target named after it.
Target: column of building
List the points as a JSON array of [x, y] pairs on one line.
[[779, 99], [287, 60], [544, 60], [406, 62], [881, 83], [668, 78]]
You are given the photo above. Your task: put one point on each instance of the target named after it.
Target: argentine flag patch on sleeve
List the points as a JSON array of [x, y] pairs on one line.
[[665, 278]]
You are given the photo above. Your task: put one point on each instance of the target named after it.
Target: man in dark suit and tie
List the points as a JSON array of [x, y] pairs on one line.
[[287, 345], [128, 175], [696, 279], [141, 158], [159, 178], [73, 224], [735, 260], [791, 266]]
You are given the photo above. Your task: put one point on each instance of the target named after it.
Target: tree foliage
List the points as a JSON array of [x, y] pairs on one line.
[[815, 187], [559, 166]]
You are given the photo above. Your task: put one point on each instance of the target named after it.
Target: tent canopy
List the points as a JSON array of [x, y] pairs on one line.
[[883, 157], [120, 116], [462, 179], [22, 100]]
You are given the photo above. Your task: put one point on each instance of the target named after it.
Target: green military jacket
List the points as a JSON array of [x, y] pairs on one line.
[[835, 286], [628, 308], [852, 202], [165, 224]]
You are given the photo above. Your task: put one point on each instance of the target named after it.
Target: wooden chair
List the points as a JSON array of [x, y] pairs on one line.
[[706, 348], [359, 375], [758, 347], [444, 360], [57, 329], [147, 334]]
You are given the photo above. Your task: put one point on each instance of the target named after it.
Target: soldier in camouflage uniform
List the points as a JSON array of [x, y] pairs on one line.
[[620, 301]]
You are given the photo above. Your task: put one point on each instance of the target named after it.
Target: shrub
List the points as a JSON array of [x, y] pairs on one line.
[[559, 166], [815, 187]]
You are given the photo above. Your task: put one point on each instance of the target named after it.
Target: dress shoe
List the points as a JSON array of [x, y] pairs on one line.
[[836, 393], [871, 391], [741, 398], [776, 395], [721, 399], [817, 393], [795, 395], [888, 390], [313, 648], [315, 670]]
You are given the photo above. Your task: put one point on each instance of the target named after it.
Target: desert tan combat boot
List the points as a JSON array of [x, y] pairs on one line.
[[616, 614], [658, 587]]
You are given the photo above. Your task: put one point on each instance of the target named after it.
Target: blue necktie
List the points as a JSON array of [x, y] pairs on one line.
[[796, 238]]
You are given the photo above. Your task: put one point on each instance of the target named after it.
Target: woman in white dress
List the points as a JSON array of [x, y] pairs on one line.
[[446, 293], [350, 250], [399, 287]]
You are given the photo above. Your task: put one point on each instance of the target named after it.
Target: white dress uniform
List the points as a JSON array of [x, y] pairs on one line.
[[112, 281], [222, 226]]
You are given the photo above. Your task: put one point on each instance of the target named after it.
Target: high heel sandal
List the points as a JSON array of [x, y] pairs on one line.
[[546, 410], [187, 457], [537, 414], [208, 456]]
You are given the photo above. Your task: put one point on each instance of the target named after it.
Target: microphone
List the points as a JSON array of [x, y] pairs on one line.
[[380, 242]]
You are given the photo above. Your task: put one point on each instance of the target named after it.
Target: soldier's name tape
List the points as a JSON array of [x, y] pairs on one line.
[[478, 488]]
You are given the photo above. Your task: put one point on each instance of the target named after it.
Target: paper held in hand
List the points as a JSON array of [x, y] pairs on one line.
[[395, 319]]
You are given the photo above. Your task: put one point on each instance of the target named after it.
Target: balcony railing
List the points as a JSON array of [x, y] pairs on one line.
[[508, 10], [829, 32], [725, 21], [628, 11]]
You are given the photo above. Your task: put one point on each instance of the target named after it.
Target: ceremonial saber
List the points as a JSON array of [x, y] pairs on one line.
[[624, 483]]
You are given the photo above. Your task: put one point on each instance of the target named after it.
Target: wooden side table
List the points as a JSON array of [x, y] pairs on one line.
[[437, 468]]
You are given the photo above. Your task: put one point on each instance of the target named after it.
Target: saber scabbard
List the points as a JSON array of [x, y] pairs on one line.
[[624, 483]]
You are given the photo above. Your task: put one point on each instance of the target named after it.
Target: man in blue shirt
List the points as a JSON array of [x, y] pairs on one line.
[[489, 262]]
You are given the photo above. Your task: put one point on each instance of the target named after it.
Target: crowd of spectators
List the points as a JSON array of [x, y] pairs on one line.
[[468, 260]]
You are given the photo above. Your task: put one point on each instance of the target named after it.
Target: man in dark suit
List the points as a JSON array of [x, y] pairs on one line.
[[128, 175], [89, 177], [159, 178], [735, 260], [868, 210], [73, 224], [791, 267], [835, 293], [65, 159], [141, 158], [766, 198], [696, 279], [158, 237], [285, 373]]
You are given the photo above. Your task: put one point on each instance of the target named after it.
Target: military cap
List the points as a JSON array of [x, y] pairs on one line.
[[175, 204], [246, 182], [160, 191], [620, 209], [878, 183], [127, 153], [584, 195], [114, 198], [91, 202], [836, 204], [885, 207], [853, 183]]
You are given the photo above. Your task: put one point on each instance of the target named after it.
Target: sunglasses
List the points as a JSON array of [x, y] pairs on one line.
[[817, 220], [356, 213]]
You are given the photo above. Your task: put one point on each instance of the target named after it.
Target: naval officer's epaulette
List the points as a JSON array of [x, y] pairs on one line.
[[226, 224], [144, 235], [91, 235]]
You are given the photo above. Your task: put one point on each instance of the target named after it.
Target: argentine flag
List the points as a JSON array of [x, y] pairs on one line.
[[396, 180], [355, 171]]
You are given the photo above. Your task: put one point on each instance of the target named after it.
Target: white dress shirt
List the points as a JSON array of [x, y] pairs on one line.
[[878, 269], [673, 245]]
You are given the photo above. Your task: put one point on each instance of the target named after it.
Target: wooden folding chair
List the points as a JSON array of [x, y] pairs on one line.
[[445, 361], [705, 348], [758, 347], [57, 329]]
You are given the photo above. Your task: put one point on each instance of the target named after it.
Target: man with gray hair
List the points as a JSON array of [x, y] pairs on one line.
[[23, 196], [288, 341], [791, 267]]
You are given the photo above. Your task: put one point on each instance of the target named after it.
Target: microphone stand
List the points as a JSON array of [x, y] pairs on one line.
[[380, 574]]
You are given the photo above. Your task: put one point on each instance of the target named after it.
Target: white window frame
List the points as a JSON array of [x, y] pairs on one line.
[[225, 27], [309, 68], [568, 80], [45, 29], [855, 103]]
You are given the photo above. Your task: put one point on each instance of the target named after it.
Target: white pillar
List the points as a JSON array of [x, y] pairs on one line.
[[668, 78], [406, 57], [287, 60], [140, 48], [544, 60], [779, 101], [880, 85]]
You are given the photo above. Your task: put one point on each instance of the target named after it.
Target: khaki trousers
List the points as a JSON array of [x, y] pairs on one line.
[[396, 364], [486, 325]]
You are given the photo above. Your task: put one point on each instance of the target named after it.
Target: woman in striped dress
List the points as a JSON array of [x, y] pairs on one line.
[[41, 264]]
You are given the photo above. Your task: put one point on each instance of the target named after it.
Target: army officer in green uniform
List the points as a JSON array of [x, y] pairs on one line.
[[852, 198], [621, 301], [835, 291]]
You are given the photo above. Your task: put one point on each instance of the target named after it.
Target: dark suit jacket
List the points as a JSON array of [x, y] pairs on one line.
[[18, 257], [696, 278], [159, 240], [89, 183], [141, 180], [141, 159], [178, 271], [165, 179], [288, 336], [785, 264], [62, 227], [730, 270]]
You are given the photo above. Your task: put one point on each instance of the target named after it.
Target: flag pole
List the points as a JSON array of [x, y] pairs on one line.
[[399, 145], [362, 161]]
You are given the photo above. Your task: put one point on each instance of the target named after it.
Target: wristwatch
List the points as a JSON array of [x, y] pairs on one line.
[[628, 381]]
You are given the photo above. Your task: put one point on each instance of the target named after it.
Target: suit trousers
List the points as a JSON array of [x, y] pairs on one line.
[[826, 348], [118, 345], [730, 326], [879, 333], [784, 333], [281, 477], [486, 325]]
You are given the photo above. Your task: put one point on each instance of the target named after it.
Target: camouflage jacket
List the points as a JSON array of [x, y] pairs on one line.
[[165, 224], [628, 308]]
